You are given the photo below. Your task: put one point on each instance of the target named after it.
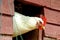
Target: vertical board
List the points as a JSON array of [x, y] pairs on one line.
[[40, 35]]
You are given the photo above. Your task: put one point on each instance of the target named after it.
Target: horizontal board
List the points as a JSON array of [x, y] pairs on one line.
[[7, 7], [55, 4], [6, 25], [52, 31], [5, 37], [52, 16]]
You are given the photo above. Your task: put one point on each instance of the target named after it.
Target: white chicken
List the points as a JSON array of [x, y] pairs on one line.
[[23, 24]]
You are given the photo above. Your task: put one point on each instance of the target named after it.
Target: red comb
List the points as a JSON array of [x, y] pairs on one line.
[[44, 20]]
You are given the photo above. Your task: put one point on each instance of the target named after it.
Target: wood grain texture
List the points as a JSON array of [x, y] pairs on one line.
[[7, 7]]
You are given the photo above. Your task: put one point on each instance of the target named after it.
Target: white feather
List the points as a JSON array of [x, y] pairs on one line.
[[23, 24]]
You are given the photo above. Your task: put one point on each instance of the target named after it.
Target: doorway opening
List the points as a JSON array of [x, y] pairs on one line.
[[28, 10]]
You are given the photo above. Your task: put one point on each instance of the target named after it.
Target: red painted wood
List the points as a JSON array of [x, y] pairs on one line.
[[46, 3], [34, 1], [5, 37], [55, 4], [7, 7], [38, 2], [52, 31], [52, 16], [40, 35], [31, 2], [6, 25]]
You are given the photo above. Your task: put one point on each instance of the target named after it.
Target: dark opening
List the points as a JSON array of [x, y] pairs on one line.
[[28, 10]]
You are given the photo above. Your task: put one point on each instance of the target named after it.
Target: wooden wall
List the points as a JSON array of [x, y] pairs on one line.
[[52, 13], [6, 19]]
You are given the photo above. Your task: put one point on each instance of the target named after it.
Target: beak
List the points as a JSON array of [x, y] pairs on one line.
[[40, 25], [43, 27]]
